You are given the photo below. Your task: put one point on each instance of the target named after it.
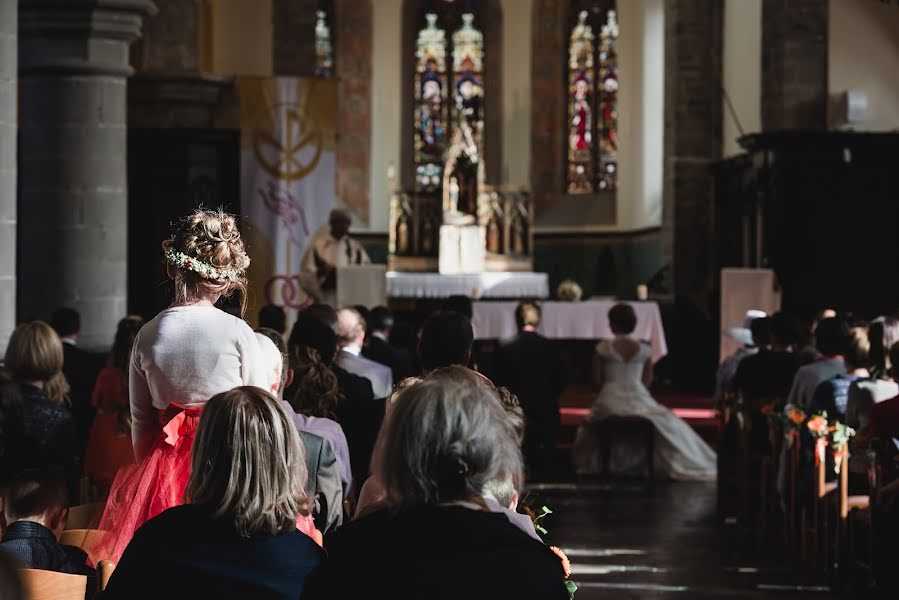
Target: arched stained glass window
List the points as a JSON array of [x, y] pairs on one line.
[[449, 85], [592, 88]]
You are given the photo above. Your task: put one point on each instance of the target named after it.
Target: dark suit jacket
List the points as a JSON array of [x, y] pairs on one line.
[[360, 415], [530, 367], [436, 553], [399, 360], [184, 553], [323, 480], [35, 547], [81, 369]]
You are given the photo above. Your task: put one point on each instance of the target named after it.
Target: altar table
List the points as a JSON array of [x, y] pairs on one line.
[[586, 320], [478, 285]]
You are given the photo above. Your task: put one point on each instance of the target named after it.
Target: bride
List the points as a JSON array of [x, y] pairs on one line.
[[622, 371]]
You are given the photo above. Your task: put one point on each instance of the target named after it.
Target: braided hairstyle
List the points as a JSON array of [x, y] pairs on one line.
[[210, 236]]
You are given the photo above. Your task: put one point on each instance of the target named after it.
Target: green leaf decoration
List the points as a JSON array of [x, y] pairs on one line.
[[541, 529], [572, 588], [546, 511]]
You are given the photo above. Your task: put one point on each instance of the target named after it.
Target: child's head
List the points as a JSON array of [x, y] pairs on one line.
[[206, 257], [39, 496]]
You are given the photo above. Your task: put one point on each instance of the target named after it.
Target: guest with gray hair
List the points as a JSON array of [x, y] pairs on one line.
[[442, 444]]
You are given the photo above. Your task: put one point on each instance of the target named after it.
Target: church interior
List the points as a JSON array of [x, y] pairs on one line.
[[712, 166]]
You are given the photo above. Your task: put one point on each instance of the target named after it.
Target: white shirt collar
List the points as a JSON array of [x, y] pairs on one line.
[[352, 349], [70, 341], [379, 335]]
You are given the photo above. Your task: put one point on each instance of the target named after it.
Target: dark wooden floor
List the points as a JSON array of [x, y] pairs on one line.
[[623, 543]]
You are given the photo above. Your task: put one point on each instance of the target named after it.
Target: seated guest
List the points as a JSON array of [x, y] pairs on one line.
[[444, 440], [34, 356], [752, 335], [531, 368], [109, 445], [273, 317], [321, 388], [446, 339], [322, 470], [768, 374], [832, 395], [883, 334], [80, 368], [236, 537], [350, 338], [379, 349], [35, 508], [831, 337]]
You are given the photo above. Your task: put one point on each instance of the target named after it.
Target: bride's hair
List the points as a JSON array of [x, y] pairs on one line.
[[209, 255], [622, 319]]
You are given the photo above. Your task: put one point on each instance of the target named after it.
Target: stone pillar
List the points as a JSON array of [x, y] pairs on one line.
[[169, 90], [73, 212], [693, 110], [794, 64], [8, 104]]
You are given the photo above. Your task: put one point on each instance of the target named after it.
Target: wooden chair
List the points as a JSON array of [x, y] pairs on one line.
[[84, 516], [50, 585], [104, 572], [81, 538], [612, 427]]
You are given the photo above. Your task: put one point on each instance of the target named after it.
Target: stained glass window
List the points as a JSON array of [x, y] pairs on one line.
[[430, 104], [324, 50], [592, 87], [449, 85]]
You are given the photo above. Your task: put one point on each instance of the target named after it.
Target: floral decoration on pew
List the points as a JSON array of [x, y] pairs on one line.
[[836, 433], [566, 564], [792, 417]]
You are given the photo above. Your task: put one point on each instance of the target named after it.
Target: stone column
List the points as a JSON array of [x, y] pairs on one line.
[[794, 64], [8, 104], [73, 212], [693, 109], [169, 90]]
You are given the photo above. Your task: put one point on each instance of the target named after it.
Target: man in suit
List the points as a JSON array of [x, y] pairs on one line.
[[530, 367], [350, 337], [379, 349], [80, 368], [358, 413], [323, 475]]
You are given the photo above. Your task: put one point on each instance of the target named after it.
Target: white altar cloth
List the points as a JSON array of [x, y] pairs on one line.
[[571, 320], [480, 285]]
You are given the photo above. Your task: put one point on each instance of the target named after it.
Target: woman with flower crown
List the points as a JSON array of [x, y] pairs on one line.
[[187, 354]]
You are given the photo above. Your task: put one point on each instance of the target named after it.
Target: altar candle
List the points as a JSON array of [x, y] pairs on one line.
[[642, 292]]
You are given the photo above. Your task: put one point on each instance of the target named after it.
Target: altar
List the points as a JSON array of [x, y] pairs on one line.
[[533, 286]]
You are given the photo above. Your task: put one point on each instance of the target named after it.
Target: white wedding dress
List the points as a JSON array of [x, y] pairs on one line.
[[679, 451]]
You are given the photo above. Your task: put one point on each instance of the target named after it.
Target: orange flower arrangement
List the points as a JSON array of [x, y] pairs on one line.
[[817, 425], [795, 416]]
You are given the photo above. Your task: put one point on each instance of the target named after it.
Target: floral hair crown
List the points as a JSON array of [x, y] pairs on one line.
[[203, 269]]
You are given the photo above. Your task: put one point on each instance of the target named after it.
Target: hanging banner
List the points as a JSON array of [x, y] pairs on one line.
[[288, 173]]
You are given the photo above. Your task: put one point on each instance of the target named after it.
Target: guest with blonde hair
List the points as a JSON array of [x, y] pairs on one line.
[[441, 444], [236, 536], [34, 357]]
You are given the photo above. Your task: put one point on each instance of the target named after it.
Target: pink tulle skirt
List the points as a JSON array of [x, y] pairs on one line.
[[142, 491]]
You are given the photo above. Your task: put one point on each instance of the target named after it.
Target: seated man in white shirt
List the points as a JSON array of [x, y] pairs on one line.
[[330, 247], [350, 336]]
